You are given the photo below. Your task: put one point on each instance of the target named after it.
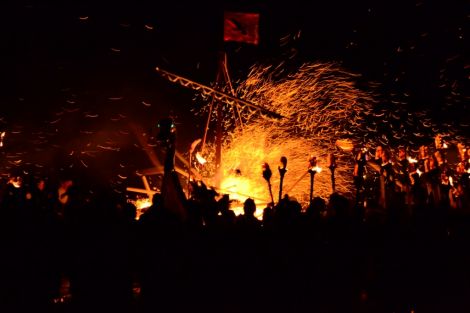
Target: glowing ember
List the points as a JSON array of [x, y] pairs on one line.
[[16, 182], [2, 135]]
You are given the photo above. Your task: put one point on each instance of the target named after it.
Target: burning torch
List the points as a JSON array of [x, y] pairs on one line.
[[267, 173], [313, 169]]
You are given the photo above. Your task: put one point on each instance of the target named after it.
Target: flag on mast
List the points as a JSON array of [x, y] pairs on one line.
[[241, 27]]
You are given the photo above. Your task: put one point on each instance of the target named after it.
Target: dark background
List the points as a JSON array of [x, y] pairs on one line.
[[99, 57]]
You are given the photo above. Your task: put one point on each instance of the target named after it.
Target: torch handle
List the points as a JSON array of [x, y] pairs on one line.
[[333, 184], [271, 192], [312, 174], [280, 187], [189, 174]]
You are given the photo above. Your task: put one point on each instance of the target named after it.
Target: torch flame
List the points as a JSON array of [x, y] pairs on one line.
[[141, 204]]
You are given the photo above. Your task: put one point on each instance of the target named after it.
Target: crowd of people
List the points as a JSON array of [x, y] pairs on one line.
[[400, 246], [438, 178]]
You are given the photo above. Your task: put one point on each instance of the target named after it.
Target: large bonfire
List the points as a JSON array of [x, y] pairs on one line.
[[320, 104]]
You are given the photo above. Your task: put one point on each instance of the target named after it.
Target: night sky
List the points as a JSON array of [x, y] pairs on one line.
[[75, 69]]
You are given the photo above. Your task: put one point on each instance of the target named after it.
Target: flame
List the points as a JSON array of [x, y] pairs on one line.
[[200, 159], [241, 188], [316, 169], [141, 204], [411, 160], [238, 210], [242, 175]]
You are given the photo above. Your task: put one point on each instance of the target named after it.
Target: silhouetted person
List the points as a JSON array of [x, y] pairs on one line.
[[248, 222], [162, 259]]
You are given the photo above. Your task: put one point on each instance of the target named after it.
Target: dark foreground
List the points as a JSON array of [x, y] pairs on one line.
[[98, 258]]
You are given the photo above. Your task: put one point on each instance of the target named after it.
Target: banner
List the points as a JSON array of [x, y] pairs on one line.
[[241, 27]]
